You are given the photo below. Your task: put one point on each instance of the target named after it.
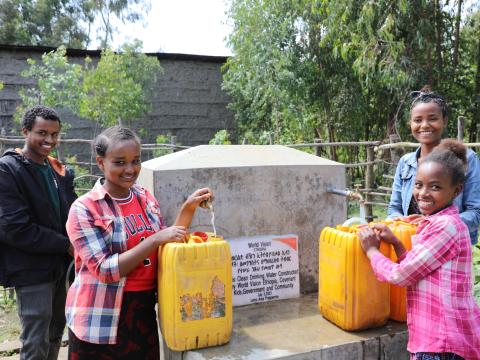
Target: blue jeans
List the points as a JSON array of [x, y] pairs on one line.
[[437, 356], [41, 309]]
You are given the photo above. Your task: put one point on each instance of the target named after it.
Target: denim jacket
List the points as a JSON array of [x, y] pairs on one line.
[[468, 202]]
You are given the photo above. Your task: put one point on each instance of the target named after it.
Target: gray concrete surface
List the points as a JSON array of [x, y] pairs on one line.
[[293, 329], [259, 190], [290, 329]]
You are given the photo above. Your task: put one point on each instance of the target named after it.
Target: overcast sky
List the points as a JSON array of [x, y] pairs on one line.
[[181, 26]]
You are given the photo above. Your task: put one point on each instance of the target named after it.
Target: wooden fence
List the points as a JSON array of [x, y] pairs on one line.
[[370, 193]]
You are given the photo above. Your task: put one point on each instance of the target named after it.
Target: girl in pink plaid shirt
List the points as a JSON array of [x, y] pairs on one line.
[[442, 315]]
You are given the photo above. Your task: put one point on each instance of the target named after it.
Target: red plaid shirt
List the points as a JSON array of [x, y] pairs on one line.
[[442, 314], [95, 227]]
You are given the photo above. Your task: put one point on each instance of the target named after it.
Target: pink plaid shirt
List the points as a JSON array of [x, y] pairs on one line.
[[442, 315], [95, 228]]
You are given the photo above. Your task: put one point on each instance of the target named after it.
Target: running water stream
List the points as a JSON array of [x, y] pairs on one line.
[[208, 205], [212, 219], [362, 210]]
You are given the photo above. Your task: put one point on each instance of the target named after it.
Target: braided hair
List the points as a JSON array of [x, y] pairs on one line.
[[111, 135], [426, 95]]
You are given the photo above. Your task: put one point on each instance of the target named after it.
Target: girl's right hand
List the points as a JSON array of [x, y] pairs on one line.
[[368, 239], [384, 233], [173, 233]]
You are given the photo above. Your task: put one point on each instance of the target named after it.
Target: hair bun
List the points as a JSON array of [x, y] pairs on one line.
[[455, 146], [426, 89]]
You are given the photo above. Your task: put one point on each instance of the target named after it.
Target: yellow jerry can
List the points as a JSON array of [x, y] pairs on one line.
[[195, 293], [398, 295], [349, 294]]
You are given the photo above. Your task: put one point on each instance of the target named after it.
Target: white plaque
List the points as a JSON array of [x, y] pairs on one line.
[[264, 268]]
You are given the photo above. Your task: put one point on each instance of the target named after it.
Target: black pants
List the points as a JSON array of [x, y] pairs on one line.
[[41, 309]]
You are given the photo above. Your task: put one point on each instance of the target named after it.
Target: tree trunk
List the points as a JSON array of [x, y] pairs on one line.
[[331, 137], [393, 119], [457, 35], [430, 76], [438, 41], [472, 130]]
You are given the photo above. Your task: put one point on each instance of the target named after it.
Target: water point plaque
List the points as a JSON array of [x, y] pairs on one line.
[[264, 268]]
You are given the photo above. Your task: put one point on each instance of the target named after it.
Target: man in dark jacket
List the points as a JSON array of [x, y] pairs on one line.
[[36, 192]]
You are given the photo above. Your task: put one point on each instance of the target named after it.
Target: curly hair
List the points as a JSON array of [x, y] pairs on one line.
[[113, 134], [452, 155], [28, 119], [426, 95]]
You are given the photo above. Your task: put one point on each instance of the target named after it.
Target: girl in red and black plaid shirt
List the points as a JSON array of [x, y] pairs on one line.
[[116, 229]]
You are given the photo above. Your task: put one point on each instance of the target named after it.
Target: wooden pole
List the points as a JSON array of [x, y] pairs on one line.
[[173, 142], [59, 151], [318, 149], [3, 133], [369, 183], [339, 143], [394, 155]]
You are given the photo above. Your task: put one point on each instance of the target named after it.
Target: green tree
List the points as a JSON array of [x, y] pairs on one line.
[[124, 10], [467, 79], [285, 77], [65, 22], [57, 82], [44, 22], [116, 90], [342, 69]]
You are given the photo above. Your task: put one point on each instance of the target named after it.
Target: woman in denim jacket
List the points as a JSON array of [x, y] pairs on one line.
[[428, 119]]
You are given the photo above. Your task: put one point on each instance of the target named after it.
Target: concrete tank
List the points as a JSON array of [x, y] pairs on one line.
[[259, 190]]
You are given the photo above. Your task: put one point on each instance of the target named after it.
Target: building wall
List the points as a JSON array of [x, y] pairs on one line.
[[188, 101]]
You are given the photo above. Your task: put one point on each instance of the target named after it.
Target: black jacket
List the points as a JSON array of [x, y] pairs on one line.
[[33, 246]]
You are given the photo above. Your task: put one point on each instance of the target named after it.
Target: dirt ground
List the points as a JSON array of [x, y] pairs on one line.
[[9, 323]]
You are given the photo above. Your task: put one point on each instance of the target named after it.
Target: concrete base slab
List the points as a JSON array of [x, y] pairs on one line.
[[294, 329]]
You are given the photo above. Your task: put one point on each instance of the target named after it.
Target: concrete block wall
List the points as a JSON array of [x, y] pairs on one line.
[[187, 102]]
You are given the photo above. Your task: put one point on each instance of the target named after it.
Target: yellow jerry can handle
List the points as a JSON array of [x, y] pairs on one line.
[[352, 225], [195, 239], [355, 221]]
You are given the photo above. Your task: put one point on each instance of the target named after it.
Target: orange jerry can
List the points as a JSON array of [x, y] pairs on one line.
[[349, 294], [398, 295]]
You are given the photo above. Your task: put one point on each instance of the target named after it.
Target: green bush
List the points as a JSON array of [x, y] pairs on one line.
[[161, 139], [221, 137], [476, 272]]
